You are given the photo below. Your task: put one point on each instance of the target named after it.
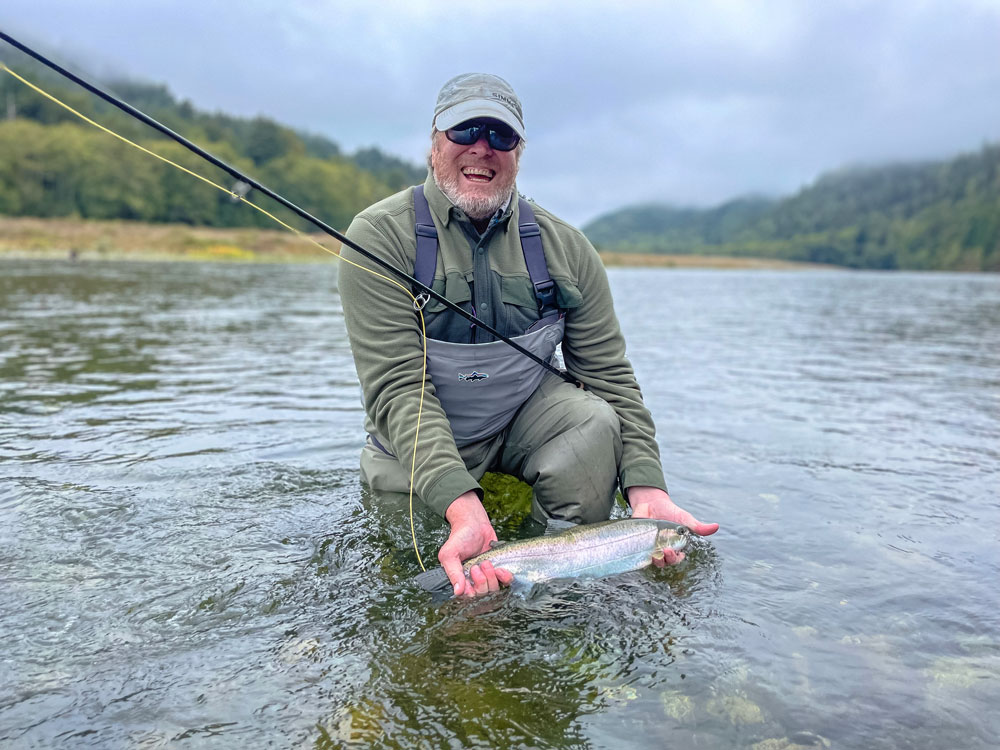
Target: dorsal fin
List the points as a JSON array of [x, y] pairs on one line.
[[555, 526]]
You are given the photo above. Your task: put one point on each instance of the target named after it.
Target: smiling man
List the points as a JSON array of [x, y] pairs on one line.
[[485, 406]]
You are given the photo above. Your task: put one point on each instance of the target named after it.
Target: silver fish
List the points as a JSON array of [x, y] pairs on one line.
[[589, 550]]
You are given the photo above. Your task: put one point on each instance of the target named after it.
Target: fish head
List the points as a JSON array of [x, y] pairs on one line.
[[672, 535]]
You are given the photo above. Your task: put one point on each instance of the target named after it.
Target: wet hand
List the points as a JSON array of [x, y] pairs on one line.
[[652, 502], [471, 533]]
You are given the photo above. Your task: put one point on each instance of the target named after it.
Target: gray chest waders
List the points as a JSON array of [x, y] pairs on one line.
[[481, 386]]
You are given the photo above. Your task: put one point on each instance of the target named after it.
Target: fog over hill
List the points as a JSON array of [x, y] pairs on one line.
[[927, 215]]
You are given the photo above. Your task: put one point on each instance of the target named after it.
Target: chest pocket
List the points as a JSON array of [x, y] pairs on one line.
[[445, 324], [520, 306]]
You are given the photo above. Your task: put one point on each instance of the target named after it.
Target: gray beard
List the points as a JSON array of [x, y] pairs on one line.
[[477, 208]]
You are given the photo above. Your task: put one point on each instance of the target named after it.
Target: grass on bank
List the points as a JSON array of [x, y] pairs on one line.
[[80, 239], [126, 240]]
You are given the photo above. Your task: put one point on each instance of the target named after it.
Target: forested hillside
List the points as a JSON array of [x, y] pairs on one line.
[[943, 215], [52, 164]]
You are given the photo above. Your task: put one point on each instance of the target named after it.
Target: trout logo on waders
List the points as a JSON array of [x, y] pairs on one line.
[[473, 376]]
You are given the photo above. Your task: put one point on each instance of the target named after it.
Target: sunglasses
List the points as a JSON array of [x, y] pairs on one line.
[[500, 137]]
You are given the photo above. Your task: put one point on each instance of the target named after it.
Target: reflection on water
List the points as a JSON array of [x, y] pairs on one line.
[[186, 552]]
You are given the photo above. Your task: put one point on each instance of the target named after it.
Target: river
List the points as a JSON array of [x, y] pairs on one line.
[[187, 557]]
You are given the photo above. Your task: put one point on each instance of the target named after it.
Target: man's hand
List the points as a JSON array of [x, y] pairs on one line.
[[471, 533], [652, 502]]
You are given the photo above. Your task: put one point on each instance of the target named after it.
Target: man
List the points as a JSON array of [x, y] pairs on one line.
[[487, 406]]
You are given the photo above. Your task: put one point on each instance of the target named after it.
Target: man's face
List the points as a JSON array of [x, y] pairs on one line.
[[476, 178]]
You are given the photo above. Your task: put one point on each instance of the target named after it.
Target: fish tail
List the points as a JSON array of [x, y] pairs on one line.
[[433, 580]]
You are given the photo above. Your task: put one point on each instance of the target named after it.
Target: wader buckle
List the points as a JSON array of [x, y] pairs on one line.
[[545, 293]]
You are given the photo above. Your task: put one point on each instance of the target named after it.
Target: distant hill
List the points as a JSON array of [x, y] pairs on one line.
[[673, 227], [54, 164], [932, 215]]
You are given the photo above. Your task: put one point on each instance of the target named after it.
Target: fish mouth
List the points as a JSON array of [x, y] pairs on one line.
[[675, 537]]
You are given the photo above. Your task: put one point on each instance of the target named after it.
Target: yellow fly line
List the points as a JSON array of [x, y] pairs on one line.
[[416, 306]]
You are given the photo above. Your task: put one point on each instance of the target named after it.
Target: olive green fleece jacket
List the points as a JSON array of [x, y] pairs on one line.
[[385, 333]]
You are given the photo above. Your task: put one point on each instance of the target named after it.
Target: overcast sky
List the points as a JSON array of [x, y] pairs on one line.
[[689, 103]]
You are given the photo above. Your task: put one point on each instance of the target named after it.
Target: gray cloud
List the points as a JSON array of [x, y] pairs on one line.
[[688, 103]]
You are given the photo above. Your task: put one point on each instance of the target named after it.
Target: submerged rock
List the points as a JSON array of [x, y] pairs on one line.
[[677, 706], [961, 672], [295, 650], [737, 709]]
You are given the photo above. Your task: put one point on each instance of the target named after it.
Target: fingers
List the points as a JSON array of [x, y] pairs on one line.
[[484, 578], [453, 567], [696, 526], [667, 556], [458, 582], [491, 576], [675, 514], [505, 577], [703, 529], [480, 585]]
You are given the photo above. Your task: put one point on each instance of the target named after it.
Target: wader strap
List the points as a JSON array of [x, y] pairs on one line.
[[531, 245], [534, 258], [427, 239]]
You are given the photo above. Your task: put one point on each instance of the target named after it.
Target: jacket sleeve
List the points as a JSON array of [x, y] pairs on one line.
[[594, 352], [385, 336]]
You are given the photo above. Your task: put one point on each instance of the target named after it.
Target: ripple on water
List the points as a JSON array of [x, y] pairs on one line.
[[188, 553]]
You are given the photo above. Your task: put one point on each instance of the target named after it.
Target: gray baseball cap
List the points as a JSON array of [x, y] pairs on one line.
[[472, 95]]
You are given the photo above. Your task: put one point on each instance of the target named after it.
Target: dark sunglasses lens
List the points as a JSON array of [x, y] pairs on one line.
[[465, 134], [500, 137]]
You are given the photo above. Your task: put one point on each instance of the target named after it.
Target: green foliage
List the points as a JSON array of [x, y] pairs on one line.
[[267, 140], [394, 172], [912, 216], [333, 189], [667, 225], [52, 164]]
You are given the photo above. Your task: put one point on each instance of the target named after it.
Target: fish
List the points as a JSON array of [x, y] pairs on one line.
[[575, 551]]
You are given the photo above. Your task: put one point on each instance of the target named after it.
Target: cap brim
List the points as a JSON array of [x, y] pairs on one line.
[[452, 116]]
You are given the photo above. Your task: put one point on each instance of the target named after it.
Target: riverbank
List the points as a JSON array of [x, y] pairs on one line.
[[79, 239], [649, 260]]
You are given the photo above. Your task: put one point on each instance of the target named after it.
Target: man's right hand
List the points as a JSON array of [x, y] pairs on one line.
[[471, 533]]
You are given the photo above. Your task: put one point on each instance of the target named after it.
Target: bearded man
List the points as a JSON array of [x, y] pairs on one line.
[[485, 406]]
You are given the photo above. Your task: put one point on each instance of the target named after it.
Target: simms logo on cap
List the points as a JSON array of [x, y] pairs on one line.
[[506, 100]]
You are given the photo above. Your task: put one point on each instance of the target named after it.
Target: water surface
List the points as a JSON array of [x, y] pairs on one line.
[[187, 556]]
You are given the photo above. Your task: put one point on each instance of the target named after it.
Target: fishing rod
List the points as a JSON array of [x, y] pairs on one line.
[[240, 176]]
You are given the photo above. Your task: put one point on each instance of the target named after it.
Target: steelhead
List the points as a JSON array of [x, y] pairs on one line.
[[589, 550]]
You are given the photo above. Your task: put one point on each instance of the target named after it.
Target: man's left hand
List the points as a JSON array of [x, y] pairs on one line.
[[652, 502]]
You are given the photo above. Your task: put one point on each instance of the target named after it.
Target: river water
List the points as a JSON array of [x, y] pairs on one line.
[[187, 557]]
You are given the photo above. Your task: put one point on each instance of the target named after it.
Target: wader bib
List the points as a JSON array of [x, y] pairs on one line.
[[481, 386], [563, 441]]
